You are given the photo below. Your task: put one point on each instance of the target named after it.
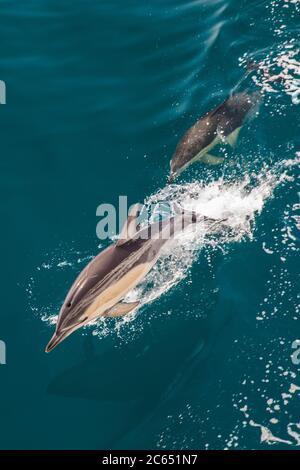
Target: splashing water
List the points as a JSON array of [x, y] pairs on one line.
[[236, 203], [286, 71], [279, 68]]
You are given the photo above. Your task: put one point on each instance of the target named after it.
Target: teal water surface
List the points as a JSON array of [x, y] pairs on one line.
[[98, 94]]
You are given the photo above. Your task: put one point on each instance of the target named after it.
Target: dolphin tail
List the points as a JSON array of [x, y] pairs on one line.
[[251, 66]]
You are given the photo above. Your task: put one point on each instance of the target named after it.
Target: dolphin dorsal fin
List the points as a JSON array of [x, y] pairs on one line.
[[130, 227]]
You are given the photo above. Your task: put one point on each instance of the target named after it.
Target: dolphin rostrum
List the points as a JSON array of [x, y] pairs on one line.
[[101, 286], [221, 125]]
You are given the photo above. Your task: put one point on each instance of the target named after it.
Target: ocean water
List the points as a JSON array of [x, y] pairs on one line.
[[98, 95]]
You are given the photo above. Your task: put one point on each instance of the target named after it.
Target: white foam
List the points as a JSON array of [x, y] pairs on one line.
[[239, 202], [267, 436]]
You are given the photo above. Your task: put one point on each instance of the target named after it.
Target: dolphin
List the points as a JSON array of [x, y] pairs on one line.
[[99, 289], [221, 125]]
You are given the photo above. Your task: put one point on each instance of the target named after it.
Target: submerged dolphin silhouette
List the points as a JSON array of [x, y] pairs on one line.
[[222, 124], [101, 286]]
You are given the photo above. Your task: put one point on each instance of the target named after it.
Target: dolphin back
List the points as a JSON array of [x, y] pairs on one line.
[[222, 120]]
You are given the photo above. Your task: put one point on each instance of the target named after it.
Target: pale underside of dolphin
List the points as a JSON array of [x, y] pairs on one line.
[[221, 125], [102, 285]]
